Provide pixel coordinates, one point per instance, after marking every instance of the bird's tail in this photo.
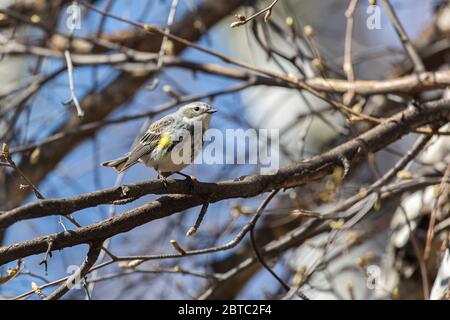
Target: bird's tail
(118, 164)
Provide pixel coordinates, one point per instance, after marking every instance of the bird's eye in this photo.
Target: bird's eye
(196, 109)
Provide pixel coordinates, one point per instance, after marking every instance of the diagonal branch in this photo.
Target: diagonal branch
(294, 175)
(91, 257)
(406, 42)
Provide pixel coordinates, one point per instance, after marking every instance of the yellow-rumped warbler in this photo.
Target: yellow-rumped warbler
(176, 130)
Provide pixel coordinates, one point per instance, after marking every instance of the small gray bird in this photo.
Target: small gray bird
(154, 148)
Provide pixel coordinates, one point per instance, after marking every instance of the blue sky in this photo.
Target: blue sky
(75, 174)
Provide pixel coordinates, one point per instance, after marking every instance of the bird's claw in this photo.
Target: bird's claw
(165, 183)
(163, 180)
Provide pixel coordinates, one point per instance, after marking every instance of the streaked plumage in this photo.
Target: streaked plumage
(154, 147)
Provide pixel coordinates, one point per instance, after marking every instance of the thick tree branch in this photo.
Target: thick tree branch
(248, 186)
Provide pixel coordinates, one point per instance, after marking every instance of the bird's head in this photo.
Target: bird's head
(196, 111)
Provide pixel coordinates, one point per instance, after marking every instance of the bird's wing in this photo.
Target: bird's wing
(149, 140)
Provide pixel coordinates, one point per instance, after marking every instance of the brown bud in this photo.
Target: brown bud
(240, 17)
(35, 18)
(317, 63)
(404, 175)
(267, 15)
(37, 290)
(177, 268)
(290, 21)
(177, 247)
(191, 232)
(149, 28)
(308, 31)
(34, 157)
(240, 20)
(5, 151)
(236, 24)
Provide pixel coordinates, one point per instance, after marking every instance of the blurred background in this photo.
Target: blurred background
(120, 98)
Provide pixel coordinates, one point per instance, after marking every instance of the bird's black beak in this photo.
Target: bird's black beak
(212, 110)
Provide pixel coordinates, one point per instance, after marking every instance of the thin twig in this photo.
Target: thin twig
(417, 252)
(440, 201)
(288, 79)
(91, 257)
(258, 254)
(165, 41)
(73, 98)
(10, 162)
(241, 20)
(201, 215)
(48, 254)
(401, 163)
(406, 42)
(348, 64)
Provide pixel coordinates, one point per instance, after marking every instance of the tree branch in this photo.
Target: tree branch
(248, 186)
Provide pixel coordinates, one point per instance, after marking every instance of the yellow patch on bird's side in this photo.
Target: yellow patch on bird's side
(164, 141)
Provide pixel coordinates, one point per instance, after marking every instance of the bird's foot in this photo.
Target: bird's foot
(163, 180)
